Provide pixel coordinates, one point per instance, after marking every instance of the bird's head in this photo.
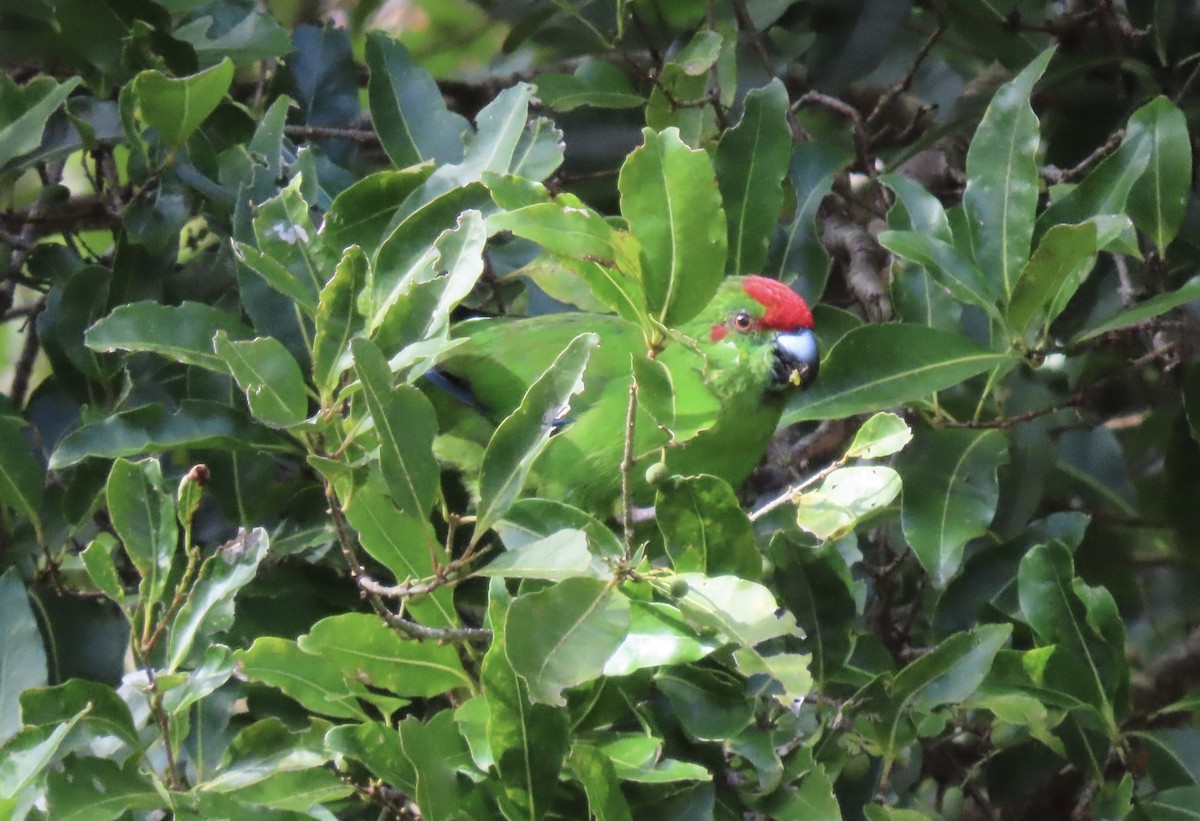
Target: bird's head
(757, 332)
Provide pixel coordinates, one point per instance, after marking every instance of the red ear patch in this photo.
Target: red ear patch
(786, 309)
(717, 333)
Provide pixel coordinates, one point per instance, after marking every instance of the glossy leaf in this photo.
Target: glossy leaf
(22, 651)
(405, 426)
(290, 257)
(338, 321)
(881, 435)
(1082, 620)
(740, 611)
(104, 713)
(562, 555)
(881, 366)
(142, 510)
(29, 752)
(177, 106)
(670, 198)
(711, 704)
(1152, 307)
(183, 333)
(595, 771)
(308, 679)
(563, 635)
(361, 214)
(363, 647)
(209, 607)
(814, 584)
(269, 377)
(796, 252)
(751, 162)
(1066, 253)
(948, 266)
(844, 498)
(950, 494)
(21, 132)
(1002, 178)
(98, 560)
(658, 635)
(521, 437)
(403, 544)
(1158, 200)
(407, 107)
(22, 476)
(96, 788)
(596, 83)
(704, 528)
(153, 429)
(529, 741)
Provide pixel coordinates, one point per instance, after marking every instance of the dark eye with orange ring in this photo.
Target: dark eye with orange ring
(743, 321)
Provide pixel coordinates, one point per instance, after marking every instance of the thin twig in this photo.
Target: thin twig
(793, 492)
(23, 369)
(905, 83)
(861, 140)
(746, 24)
(320, 132)
(1053, 175)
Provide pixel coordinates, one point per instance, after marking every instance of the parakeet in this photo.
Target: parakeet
(731, 369)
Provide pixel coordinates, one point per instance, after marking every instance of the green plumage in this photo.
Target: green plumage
(725, 409)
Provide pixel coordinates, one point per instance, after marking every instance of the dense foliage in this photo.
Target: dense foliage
(255, 564)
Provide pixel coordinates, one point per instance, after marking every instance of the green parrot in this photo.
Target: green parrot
(731, 374)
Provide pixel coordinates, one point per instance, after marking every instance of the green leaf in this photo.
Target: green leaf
(28, 754)
(403, 544)
(528, 740)
(258, 36)
(264, 749)
(916, 209)
(948, 266)
(360, 214)
(530, 520)
(378, 747)
(290, 257)
(1152, 307)
(183, 333)
(405, 425)
(563, 635)
(21, 131)
(596, 83)
(153, 429)
(1002, 178)
(881, 435)
(639, 758)
(711, 704)
(338, 321)
(950, 494)
(269, 376)
(142, 510)
(815, 586)
(361, 646)
(751, 162)
(1158, 200)
(844, 498)
(602, 256)
(949, 674)
(430, 748)
(1082, 621)
(705, 529)
(739, 611)
(658, 635)
(209, 607)
(98, 560)
(104, 713)
(22, 476)
(1064, 256)
(310, 680)
(595, 771)
(97, 789)
(211, 672)
(407, 108)
(300, 791)
(882, 366)
(562, 555)
(670, 197)
(521, 437)
(796, 251)
(21, 648)
(177, 106)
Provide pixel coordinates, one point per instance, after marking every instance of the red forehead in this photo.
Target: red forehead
(786, 310)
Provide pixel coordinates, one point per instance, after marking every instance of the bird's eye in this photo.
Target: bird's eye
(743, 321)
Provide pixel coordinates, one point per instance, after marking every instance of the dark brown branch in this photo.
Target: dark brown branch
(905, 83)
(76, 214)
(746, 24)
(861, 141)
(1169, 676)
(1053, 175)
(23, 369)
(320, 132)
(864, 262)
